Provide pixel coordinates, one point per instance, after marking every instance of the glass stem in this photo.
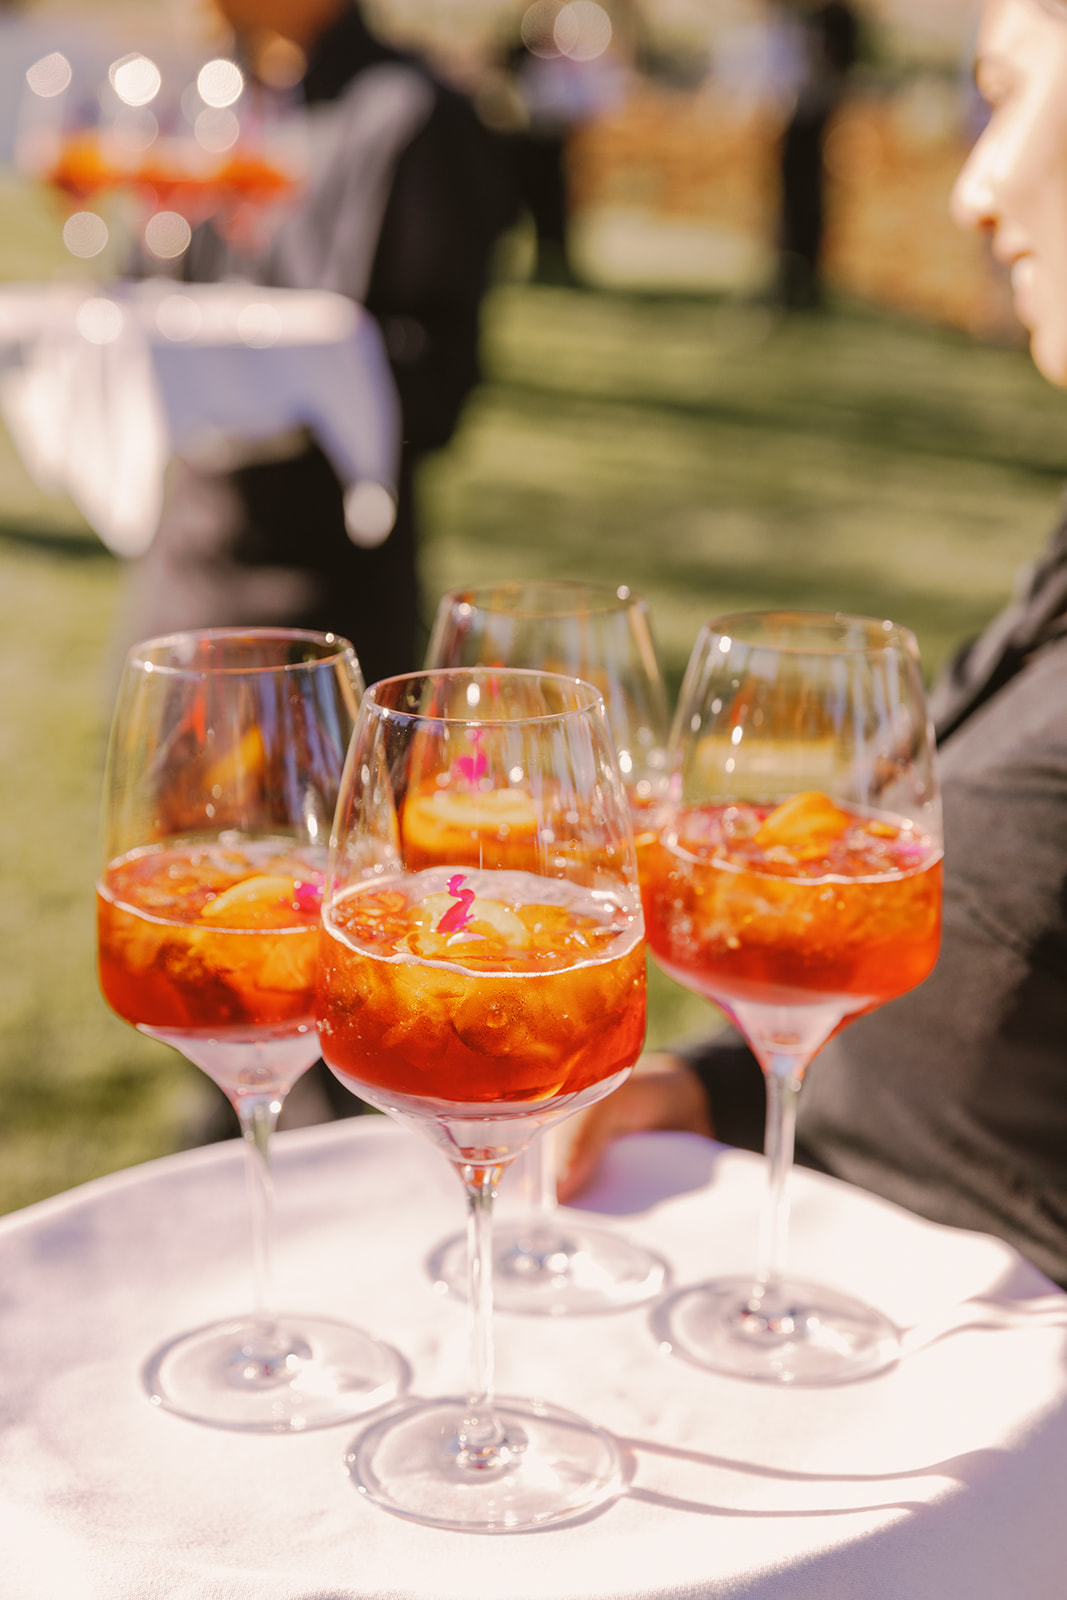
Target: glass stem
(258, 1116)
(783, 1075)
(542, 1156)
(483, 1444)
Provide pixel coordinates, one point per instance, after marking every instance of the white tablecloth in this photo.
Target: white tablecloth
(103, 387)
(943, 1478)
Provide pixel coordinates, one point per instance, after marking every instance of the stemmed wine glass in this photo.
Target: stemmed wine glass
(480, 1004)
(796, 883)
(225, 758)
(542, 1263)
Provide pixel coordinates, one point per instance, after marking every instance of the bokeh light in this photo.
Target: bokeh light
(179, 318)
(167, 235)
(582, 30)
(49, 76)
(536, 28)
(280, 64)
(370, 513)
(85, 234)
(220, 83)
(135, 79)
(216, 130)
(99, 320)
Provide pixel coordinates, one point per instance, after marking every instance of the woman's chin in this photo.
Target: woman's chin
(1050, 355)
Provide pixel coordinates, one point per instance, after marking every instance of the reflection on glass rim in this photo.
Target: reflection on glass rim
(810, 632)
(152, 654)
(584, 696)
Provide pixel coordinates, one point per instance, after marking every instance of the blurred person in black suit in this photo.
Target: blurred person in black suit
(402, 216)
(824, 39)
(557, 75)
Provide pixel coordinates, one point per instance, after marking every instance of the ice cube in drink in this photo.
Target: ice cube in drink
(536, 991)
(792, 904)
(213, 947)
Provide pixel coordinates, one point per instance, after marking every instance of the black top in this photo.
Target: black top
(451, 197)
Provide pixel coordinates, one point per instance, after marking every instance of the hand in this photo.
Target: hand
(663, 1091)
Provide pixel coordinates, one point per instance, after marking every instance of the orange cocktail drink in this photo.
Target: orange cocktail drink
(490, 988)
(797, 904)
(469, 825)
(215, 938)
(481, 977)
(88, 166)
(226, 754)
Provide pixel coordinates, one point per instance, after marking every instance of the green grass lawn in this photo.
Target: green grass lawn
(691, 448)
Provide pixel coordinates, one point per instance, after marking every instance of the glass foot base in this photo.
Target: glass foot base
(810, 1335)
(556, 1268)
(558, 1467)
(303, 1372)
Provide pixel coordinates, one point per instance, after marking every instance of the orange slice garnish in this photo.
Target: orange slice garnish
(809, 818)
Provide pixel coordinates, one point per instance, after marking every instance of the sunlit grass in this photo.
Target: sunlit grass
(719, 459)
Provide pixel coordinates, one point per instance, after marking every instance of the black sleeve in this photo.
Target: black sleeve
(450, 199)
(733, 1082)
(952, 1100)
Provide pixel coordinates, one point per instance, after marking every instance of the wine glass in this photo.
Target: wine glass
(796, 882)
(225, 759)
(542, 1264)
(479, 1004)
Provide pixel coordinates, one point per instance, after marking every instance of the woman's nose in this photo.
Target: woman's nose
(974, 203)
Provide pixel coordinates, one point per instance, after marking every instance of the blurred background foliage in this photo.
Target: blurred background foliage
(660, 426)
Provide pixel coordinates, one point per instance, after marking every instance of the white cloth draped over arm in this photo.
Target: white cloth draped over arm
(102, 389)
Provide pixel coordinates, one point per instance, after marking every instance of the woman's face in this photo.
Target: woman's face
(1015, 180)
